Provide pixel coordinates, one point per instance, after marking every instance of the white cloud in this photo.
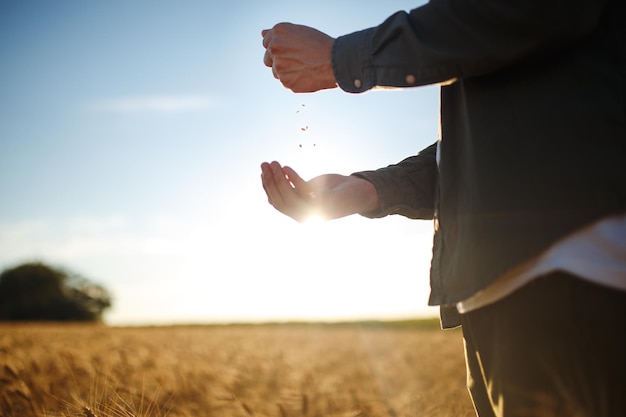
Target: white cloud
(94, 225)
(114, 238)
(156, 104)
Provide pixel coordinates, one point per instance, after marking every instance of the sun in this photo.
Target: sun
(314, 221)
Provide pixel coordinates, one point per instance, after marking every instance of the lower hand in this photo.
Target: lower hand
(328, 196)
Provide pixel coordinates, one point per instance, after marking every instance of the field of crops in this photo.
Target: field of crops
(289, 370)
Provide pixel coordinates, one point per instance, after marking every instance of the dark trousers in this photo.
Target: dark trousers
(554, 348)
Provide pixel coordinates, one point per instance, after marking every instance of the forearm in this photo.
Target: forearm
(407, 188)
(448, 39)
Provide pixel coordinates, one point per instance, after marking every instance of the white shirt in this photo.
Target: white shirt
(596, 253)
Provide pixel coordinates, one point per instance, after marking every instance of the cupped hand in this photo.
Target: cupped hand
(328, 196)
(300, 57)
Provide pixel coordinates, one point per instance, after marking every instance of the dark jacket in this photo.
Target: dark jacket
(533, 126)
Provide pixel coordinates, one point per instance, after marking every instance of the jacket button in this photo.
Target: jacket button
(358, 83)
(410, 79)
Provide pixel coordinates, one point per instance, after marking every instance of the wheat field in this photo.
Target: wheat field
(286, 370)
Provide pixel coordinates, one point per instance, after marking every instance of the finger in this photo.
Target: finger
(268, 181)
(265, 180)
(268, 60)
(266, 177)
(270, 187)
(267, 37)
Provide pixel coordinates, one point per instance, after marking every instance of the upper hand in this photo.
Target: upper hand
(329, 196)
(300, 57)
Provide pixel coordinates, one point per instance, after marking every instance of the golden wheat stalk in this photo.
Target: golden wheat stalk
(88, 412)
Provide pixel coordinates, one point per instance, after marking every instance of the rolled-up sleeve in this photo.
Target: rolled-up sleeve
(407, 188)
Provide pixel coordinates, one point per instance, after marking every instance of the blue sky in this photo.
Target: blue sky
(131, 135)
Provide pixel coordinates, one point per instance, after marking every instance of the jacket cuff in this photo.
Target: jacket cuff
(351, 61)
(405, 200)
(380, 190)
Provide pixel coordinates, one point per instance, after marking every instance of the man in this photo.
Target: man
(526, 185)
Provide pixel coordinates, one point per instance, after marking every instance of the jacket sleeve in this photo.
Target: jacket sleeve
(407, 188)
(446, 40)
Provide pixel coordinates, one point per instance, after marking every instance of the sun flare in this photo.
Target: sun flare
(314, 220)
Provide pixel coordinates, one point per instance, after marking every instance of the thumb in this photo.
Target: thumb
(294, 178)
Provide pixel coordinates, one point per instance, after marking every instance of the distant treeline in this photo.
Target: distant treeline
(38, 292)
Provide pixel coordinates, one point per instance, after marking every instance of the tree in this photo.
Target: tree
(34, 292)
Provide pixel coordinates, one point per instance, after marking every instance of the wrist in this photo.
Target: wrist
(365, 196)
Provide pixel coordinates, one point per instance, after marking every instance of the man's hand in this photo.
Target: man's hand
(329, 196)
(300, 57)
